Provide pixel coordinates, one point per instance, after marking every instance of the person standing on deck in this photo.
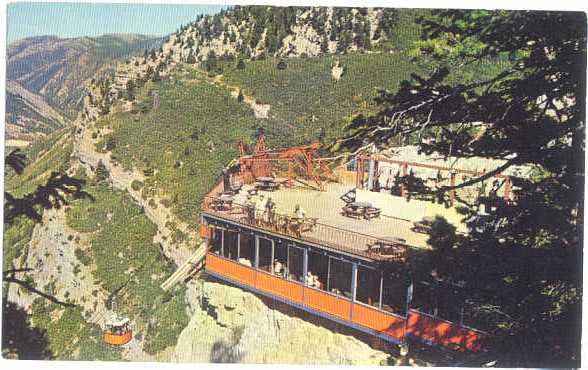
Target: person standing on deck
(250, 210)
(270, 211)
(299, 217)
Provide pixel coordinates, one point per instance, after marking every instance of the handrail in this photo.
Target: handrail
(308, 229)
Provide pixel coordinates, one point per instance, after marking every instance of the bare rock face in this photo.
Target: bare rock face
(303, 40)
(337, 71)
(232, 325)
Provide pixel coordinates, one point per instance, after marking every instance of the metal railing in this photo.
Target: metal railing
(307, 229)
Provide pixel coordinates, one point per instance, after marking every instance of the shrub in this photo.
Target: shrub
(166, 202)
(148, 172)
(136, 185)
(282, 64)
(82, 257)
(110, 143)
(442, 235)
(241, 64)
(101, 172)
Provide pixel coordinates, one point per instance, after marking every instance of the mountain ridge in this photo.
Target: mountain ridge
(57, 70)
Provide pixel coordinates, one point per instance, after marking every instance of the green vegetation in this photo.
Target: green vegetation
(521, 270)
(442, 235)
(67, 333)
(43, 158)
(305, 98)
(128, 265)
(196, 124)
(15, 240)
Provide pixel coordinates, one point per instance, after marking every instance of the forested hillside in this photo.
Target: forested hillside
(47, 77)
(151, 138)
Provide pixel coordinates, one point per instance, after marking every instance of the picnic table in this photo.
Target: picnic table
(223, 202)
(393, 248)
(361, 209)
(293, 225)
(266, 183)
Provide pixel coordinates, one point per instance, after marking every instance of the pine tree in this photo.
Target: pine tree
(191, 59)
(102, 173)
(282, 64)
(324, 44)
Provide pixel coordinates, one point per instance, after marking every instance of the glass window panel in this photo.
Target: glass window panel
(247, 249)
(368, 286)
(394, 290)
(231, 244)
(216, 240)
(265, 254)
(280, 264)
(449, 302)
(295, 263)
(424, 298)
(318, 267)
(340, 277)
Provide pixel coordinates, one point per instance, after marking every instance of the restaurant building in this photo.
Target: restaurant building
(331, 248)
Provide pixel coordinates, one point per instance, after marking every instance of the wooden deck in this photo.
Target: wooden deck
(326, 207)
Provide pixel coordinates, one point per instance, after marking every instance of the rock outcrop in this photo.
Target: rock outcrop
(231, 325)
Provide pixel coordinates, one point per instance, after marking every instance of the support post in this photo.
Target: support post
(256, 252)
(353, 288)
(507, 189)
(359, 172)
(403, 174)
(452, 184)
(371, 170)
(289, 173)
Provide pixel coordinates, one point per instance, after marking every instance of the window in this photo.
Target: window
(424, 299)
(449, 302)
(340, 277)
(318, 268)
(439, 299)
(247, 249)
(266, 252)
(216, 240)
(231, 244)
(368, 286)
(394, 289)
(295, 263)
(280, 263)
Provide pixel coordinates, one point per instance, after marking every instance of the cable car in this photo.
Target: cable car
(117, 332)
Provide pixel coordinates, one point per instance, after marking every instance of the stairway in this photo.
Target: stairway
(188, 268)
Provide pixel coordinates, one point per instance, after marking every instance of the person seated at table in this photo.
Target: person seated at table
(278, 267)
(312, 280)
(245, 261)
(309, 279)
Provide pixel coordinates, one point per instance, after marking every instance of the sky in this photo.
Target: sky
(93, 19)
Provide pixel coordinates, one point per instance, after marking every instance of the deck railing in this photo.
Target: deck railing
(307, 229)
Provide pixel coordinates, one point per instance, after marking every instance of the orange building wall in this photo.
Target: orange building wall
(378, 321)
(280, 287)
(232, 270)
(442, 332)
(328, 303)
(419, 325)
